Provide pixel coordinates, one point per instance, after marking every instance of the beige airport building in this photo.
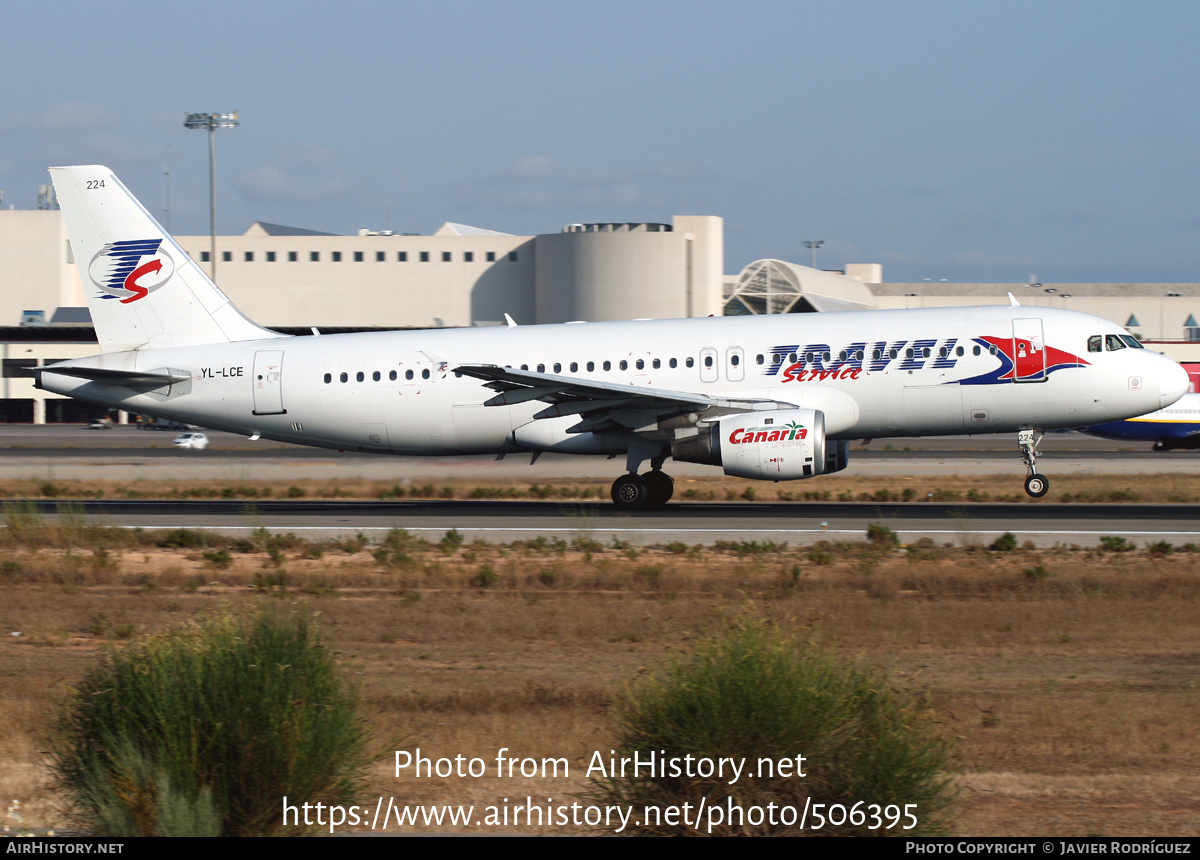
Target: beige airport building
(294, 279)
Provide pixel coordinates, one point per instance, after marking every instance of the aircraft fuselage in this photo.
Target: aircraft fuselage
(873, 373)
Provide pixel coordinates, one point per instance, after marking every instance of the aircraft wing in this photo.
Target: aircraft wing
(600, 405)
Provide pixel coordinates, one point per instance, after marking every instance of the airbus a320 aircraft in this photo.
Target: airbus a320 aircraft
(767, 397)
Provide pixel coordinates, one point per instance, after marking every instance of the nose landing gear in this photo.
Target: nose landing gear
(1035, 485)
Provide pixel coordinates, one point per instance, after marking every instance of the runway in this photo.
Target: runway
(128, 455)
(683, 522)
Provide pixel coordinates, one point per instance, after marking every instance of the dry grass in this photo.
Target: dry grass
(1068, 676)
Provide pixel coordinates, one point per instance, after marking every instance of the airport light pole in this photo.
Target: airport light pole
(812, 246)
(212, 121)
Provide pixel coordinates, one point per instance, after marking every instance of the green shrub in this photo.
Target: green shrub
(216, 722)
(486, 577)
(752, 693)
(882, 536)
(1007, 542)
(1116, 543)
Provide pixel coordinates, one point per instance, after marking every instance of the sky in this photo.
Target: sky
(966, 141)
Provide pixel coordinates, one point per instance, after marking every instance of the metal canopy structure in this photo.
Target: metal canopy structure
(780, 287)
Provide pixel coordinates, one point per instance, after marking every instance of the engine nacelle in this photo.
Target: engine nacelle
(780, 445)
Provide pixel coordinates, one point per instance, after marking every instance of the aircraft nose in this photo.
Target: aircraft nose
(1173, 383)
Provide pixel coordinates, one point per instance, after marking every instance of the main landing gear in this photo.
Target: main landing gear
(1036, 485)
(650, 490)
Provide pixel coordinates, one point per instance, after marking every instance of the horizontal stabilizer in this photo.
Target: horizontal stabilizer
(130, 378)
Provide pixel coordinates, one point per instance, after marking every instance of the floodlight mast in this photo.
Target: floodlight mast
(212, 121)
(812, 246)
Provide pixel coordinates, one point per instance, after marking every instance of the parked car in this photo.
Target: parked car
(191, 440)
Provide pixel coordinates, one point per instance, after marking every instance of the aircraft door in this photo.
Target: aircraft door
(1029, 351)
(708, 365)
(268, 382)
(735, 367)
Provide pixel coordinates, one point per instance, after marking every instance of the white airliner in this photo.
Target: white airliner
(1176, 427)
(765, 397)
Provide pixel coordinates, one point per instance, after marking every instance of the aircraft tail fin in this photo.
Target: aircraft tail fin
(142, 288)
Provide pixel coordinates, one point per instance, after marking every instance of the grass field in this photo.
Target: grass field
(1067, 676)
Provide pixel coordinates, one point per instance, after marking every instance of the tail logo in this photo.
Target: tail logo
(130, 270)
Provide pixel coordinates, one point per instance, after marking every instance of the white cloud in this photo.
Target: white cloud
(66, 117)
(269, 184)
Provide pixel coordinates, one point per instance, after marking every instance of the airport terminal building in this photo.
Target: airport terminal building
(294, 280)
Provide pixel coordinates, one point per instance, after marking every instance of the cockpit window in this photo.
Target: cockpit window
(1095, 343)
(1113, 342)
(1132, 341)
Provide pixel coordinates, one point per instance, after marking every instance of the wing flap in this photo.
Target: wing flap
(602, 405)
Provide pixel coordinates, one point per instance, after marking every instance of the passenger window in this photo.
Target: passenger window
(690, 362)
(359, 376)
(673, 362)
(425, 373)
(925, 352)
(392, 375)
(975, 350)
(892, 353)
(842, 356)
(1113, 342)
(591, 366)
(624, 365)
(908, 353)
(793, 358)
(375, 376)
(558, 367)
(343, 377)
(328, 378)
(408, 374)
(541, 368)
(858, 356)
(1095, 343)
(959, 352)
(758, 359)
(875, 355)
(708, 361)
(574, 366)
(641, 365)
(657, 363)
(607, 365)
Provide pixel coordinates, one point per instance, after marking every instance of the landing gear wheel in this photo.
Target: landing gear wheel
(1027, 440)
(1037, 485)
(662, 487)
(631, 492)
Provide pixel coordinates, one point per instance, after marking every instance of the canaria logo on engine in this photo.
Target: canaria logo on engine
(131, 270)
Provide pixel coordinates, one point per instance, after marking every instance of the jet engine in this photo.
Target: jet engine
(779, 445)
